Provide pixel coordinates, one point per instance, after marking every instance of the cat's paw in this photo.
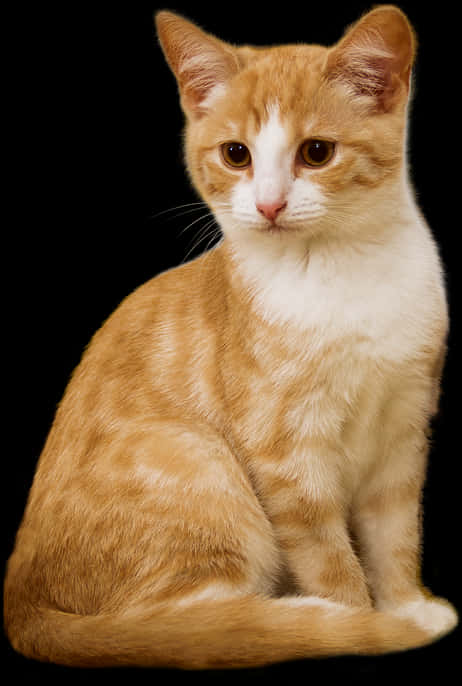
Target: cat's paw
(435, 616)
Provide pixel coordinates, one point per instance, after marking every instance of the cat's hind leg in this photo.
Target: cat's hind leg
(205, 533)
(178, 551)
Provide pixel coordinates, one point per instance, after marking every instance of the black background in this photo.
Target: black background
(95, 140)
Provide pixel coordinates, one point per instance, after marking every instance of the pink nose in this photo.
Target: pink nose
(270, 210)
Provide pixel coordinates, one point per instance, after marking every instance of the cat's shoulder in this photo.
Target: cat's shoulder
(170, 295)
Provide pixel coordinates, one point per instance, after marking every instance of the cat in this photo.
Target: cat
(234, 475)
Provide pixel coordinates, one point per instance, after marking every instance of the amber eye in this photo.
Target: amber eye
(315, 152)
(236, 154)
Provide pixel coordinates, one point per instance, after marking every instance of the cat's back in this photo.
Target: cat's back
(148, 366)
(189, 293)
(143, 363)
(162, 316)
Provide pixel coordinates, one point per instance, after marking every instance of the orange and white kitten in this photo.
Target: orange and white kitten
(234, 474)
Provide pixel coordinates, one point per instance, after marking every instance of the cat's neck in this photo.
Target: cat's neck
(285, 272)
(385, 217)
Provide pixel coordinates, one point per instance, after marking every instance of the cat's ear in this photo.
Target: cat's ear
(202, 64)
(375, 58)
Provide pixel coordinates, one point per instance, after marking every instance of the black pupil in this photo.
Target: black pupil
(318, 151)
(238, 153)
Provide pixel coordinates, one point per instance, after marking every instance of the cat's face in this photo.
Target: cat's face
(290, 141)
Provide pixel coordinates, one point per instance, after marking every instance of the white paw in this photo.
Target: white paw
(437, 617)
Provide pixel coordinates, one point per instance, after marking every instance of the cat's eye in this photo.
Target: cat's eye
(236, 154)
(316, 153)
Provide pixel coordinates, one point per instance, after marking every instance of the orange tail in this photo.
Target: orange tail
(241, 632)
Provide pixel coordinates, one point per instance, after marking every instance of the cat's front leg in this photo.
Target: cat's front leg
(321, 557)
(308, 515)
(387, 523)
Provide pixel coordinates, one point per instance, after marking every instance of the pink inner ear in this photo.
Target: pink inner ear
(373, 76)
(375, 58)
(200, 77)
(199, 61)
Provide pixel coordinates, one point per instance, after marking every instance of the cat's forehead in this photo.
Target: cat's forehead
(283, 83)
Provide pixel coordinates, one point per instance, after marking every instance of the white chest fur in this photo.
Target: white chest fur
(387, 296)
(359, 318)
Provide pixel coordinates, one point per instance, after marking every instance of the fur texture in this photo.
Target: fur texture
(234, 474)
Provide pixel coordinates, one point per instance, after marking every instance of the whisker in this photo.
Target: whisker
(198, 219)
(214, 234)
(192, 207)
(209, 231)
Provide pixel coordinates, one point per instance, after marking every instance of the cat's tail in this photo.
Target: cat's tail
(240, 632)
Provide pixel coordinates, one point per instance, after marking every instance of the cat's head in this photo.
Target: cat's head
(294, 140)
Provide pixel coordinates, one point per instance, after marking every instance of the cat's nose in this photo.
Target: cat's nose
(270, 210)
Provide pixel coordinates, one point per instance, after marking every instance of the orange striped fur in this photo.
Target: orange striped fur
(234, 474)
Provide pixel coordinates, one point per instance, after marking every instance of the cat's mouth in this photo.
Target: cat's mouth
(277, 228)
